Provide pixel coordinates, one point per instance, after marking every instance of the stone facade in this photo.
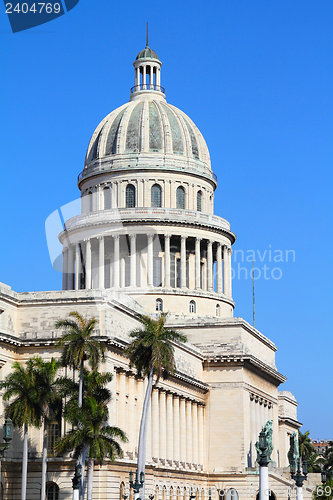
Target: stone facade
(147, 240)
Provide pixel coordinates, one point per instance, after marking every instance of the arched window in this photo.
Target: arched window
(156, 196)
(159, 305)
(90, 201)
(171, 493)
(164, 493)
(130, 196)
(193, 307)
(218, 310)
(107, 198)
(231, 494)
(52, 491)
(180, 197)
(199, 201)
(157, 492)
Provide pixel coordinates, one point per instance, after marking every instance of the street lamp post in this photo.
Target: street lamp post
(7, 436)
(77, 481)
(299, 475)
(136, 485)
(263, 467)
(326, 475)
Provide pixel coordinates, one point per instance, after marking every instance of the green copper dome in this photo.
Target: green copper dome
(147, 53)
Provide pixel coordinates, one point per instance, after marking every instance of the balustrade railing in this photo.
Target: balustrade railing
(148, 86)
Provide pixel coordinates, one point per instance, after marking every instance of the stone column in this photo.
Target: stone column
(150, 251)
(227, 271)
(77, 266)
(195, 434)
(101, 262)
(64, 268)
(155, 425)
(182, 420)
(219, 268)
(140, 193)
(163, 426)
(169, 426)
(189, 443)
(133, 260)
(167, 260)
(70, 273)
(122, 403)
(197, 263)
(88, 264)
(183, 261)
(201, 434)
(210, 266)
(132, 434)
(176, 428)
(116, 261)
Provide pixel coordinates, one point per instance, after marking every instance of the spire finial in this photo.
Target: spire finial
(147, 36)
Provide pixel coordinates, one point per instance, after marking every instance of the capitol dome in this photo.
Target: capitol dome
(147, 132)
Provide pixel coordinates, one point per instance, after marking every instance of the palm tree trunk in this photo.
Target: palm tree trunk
(24, 463)
(44, 462)
(82, 458)
(81, 385)
(90, 478)
(143, 431)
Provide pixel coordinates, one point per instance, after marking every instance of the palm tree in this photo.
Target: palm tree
(306, 448)
(78, 345)
(94, 384)
(49, 400)
(151, 352)
(314, 463)
(91, 431)
(25, 409)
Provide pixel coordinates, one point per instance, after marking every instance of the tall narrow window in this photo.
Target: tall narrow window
(180, 197)
(193, 307)
(130, 196)
(156, 196)
(53, 433)
(159, 305)
(107, 198)
(178, 273)
(199, 201)
(90, 201)
(218, 310)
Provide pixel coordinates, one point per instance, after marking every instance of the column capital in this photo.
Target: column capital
(167, 236)
(116, 236)
(132, 236)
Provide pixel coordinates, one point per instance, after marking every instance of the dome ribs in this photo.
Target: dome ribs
(155, 130)
(175, 128)
(133, 130)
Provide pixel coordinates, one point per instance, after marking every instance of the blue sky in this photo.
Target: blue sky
(256, 77)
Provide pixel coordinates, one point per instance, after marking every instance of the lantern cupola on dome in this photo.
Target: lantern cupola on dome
(147, 68)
